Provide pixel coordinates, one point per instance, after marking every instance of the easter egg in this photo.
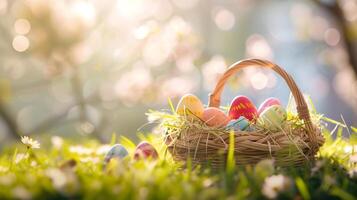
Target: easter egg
(145, 150)
(267, 103)
(190, 106)
(239, 124)
(273, 117)
(243, 106)
(116, 151)
(215, 117)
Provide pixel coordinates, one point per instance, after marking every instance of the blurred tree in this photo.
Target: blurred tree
(12, 127)
(90, 67)
(336, 9)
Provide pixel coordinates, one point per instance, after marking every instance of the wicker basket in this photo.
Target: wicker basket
(295, 145)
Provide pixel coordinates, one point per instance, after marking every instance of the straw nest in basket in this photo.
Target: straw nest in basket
(294, 142)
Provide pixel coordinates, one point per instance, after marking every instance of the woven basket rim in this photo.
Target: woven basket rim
(202, 145)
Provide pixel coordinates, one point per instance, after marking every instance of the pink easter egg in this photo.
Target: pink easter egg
(243, 106)
(267, 103)
(215, 117)
(145, 150)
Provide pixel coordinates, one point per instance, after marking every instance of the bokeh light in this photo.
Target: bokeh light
(258, 47)
(224, 19)
(212, 70)
(332, 37)
(22, 26)
(259, 81)
(20, 43)
(102, 64)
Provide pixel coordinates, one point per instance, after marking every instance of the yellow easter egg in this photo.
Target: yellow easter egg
(272, 117)
(215, 117)
(190, 106)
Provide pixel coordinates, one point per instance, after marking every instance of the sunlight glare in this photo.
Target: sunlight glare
(84, 12)
(134, 9)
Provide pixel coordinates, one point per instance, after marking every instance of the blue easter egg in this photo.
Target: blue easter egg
(116, 151)
(239, 124)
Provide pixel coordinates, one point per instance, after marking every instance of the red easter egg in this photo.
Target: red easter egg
(267, 103)
(215, 117)
(243, 106)
(145, 150)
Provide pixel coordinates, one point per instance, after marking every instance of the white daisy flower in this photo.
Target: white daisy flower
(30, 143)
(273, 185)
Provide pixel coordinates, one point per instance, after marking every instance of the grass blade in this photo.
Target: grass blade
(333, 121)
(230, 159)
(302, 188)
(171, 106)
(354, 129)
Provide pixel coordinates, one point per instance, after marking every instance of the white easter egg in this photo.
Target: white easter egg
(272, 118)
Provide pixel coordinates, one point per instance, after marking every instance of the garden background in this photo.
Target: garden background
(91, 68)
(87, 71)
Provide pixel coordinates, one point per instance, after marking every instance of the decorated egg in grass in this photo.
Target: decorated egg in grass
(116, 151)
(243, 106)
(239, 124)
(190, 106)
(267, 103)
(145, 150)
(273, 118)
(215, 117)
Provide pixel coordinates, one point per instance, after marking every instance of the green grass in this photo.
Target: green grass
(67, 170)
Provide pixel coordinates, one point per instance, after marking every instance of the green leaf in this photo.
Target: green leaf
(302, 189)
(341, 194)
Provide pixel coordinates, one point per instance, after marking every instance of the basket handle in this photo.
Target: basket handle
(302, 109)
